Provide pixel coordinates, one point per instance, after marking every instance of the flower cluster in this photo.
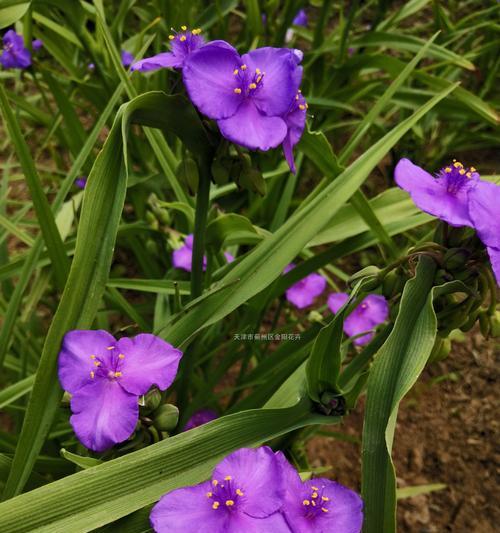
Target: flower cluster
(106, 377)
(15, 54)
(254, 98)
(257, 490)
(372, 311)
(458, 196)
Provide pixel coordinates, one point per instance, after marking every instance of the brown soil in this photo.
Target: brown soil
(447, 432)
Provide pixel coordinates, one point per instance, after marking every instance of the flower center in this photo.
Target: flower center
(248, 83)
(317, 504)
(225, 494)
(186, 39)
(456, 176)
(107, 369)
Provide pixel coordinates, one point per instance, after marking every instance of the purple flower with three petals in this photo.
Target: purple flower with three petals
(295, 120)
(301, 18)
(245, 494)
(319, 505)
(303, 293)
(183, 256)
(247, 95)
(15, 54)
(127, 58)
(458, 196)
(106, 377)
(200, 417)
(372, 311)
(182, 44)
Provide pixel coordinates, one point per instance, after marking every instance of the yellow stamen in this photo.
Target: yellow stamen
(210, 494)
(469, 174)
(239, 492)
(237, 90)
(296, 97)
(306, 502)
(447, 169)
(215, 482)
(92, 374)
(257, 71)
(314, 488)
(457, 164)
(118, 374)
(121, 356)
(302, 107)
(324, 510)
(184, 28)
(229, 503)
(307, 105)
(235, 71)
(171, 37)
(243, 67)
(97, 363)
(472, 169)
(252, 86)
(182, 38)
(228, 478)
(314, 494)
(313, 503)
(110, 348)
(325, 498)
(197, 31)
(215, 505)
(92, 356)
(461, 171)
(258, 79)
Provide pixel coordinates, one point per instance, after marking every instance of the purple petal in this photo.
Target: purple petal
(183, 510)
(300, 18)
(229, 257)
(182, 258)
(281, 80)
(484, 209)
(288, 267)
(432, 195)
(258, 474)
(242, 523)
(81, 182)
(210, 82)
(37, 44)
(148, 361)
(104, 414)
(250, 128)
(200, 417)
(75, 363)
(372, 311)
(336, 300)
(295, 121)
(494, 254)
(189, 241)
(163, 60)
(127, 58)
(303, 293)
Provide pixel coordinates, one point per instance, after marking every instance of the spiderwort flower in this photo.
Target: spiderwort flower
(183, 256)
(37, 44)
(303, 293)
(200, 417)
(245, 494)
(458, 196)
(301, 18)
(247, 95)
(319, 505)
(229, 257)
(15, 54)
(182, 44)
(106, 377)
(127, 58)
(372, 311)
(81, 182)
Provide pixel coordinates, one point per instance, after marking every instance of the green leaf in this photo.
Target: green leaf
(316, 147)
(397, 366)
(417, 490)
(82, 462)
(99, 495)
(11, 11)
(15, 391)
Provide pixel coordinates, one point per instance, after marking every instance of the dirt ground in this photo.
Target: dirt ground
(447, 432)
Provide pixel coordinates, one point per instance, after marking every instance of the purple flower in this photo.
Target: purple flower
(127, 58)
(201, 417)
(247, 95)
(229, 257)
(182, 44)
(106, 377)
(81, 182)
(301, 18)
(15, 54)
(295, 120)
(319, 505)
(183, 256)
(303, 293)
(245, 494)
(458, 196)
(37, 44)
(372, 311)
(91, 67)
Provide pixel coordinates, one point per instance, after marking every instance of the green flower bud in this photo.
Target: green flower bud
(332, 404)
(393, 284)
(440, 350)
(166, 417)
(495, 324)
(315, 316)
(152, 400)
(456, 258)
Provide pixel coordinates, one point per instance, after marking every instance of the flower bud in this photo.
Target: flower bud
(221, 168)
(455, 258)
(440, 350)
(152, 400)
(393, 284)
(332, 404)
(371, 272)
(495, 325)
(166, 417)
(252, 179)
(315, 316)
